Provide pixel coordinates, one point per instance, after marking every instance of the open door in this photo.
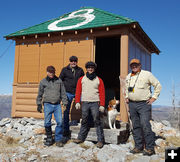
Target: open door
(107, 58)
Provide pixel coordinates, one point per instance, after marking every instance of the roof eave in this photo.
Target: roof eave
(154, 48)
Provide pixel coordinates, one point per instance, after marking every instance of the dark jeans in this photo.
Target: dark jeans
(140, 114)
(66, 112)
(92, 107)
(49, 109)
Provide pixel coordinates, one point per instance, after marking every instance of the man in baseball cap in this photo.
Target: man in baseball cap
(140, 98)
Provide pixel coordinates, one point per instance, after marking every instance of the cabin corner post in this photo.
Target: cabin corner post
(14, 86)
(123, 72)
(13, 107)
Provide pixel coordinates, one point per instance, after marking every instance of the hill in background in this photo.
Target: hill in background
(5, 106)
(159, 112)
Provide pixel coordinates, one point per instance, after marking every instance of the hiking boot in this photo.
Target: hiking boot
(148, 152)
(77, 141)
(59, 144)
(49, 141)
(136, 151)
(99, 145)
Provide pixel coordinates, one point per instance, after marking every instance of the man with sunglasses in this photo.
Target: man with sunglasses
(70, 75)
(139, 98)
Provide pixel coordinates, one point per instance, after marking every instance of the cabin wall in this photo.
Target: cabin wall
(136, 50)
(31, 61)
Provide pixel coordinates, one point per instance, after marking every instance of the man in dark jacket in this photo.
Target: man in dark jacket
(51, 92)
(70, 75)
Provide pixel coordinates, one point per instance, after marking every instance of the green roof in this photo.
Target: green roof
(84, 18)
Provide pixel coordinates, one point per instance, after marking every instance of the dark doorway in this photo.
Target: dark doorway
(108, 64)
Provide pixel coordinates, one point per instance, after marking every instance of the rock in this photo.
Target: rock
(23, 122)
(14, 134)
(166, 123)
(32, 158)
(30, 133)
(4, 157)
(39, 131)
(142, 159)
(4, 121)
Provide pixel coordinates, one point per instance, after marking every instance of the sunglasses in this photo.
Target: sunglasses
(73, 61)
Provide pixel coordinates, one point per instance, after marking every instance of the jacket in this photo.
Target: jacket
(69, 80)
(142, 82)
(51, 91)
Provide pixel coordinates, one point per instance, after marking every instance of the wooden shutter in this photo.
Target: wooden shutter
(51, 54)
(83, 49)
(28, 68)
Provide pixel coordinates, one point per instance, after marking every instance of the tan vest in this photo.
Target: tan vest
(90, 91)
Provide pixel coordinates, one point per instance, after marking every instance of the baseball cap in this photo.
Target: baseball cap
(51, 69)
(135, 61)
(73, 58)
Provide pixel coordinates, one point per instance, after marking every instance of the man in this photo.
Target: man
(139, 98)
(70, 75)
(90, 90)
(51, 91)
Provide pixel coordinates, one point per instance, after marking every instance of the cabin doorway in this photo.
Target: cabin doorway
(107, 58)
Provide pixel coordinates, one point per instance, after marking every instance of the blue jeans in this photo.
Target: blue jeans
(49, 109)
(140, 114)
(66, 112)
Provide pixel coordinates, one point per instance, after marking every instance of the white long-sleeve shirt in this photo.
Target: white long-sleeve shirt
(142, 82)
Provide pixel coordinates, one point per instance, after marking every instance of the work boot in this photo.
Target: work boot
(99, 145)
(59, 144)
(148, 152)
(136, 151)
(49, 139)
(77, 141)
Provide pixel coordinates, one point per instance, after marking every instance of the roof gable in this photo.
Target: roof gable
(84, 18)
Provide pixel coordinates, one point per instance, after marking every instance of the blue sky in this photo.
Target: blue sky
(160, 19)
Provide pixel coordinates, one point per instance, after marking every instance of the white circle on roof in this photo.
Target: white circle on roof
(88, 18)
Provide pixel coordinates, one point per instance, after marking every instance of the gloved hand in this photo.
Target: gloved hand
(78, 106)
(64, 107)
(101, 109)
(39, 108)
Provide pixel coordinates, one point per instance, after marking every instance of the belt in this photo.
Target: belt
(90, 102)
(56, 103)
(138, 101)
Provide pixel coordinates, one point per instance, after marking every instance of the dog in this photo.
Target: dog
(110, 119)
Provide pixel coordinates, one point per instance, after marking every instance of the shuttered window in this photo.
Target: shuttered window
(28, 67)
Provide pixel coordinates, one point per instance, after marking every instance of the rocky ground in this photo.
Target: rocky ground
(21, 139)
